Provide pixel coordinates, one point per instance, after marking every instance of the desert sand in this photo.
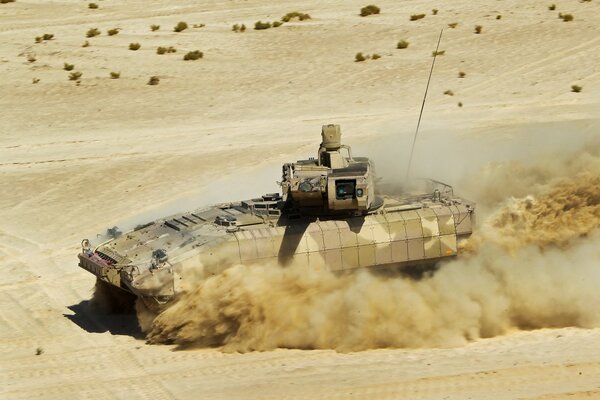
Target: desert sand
(76, 159)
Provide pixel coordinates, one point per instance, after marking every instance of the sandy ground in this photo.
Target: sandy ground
(76, 159)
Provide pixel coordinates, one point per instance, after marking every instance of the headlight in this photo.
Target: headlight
(359, 192)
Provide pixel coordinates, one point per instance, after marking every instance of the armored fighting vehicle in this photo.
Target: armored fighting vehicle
(329, 216)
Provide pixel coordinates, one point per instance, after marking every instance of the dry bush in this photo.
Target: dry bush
(134, 46)
(461, 74)
(403, 44)
(295, 14)
(453, 25)
(498, 16)
(449, 92)
(434, 11)
(92, 32)
(359, 57)
(552, 7)
(93, 6)
(85, 44)
(460, 104)
(235, 28)
(68, 67)
(478, 29)
(259, 25)
(48, 36)
(39, 351)
(369, 10)
(154, 28)
(35, 80)
(164, 50)
(243, 28)
(115, 75)
(180, 27)
(154, 80)
(6, 1)
(276, 24)
(375, 56)
(75, 76)
(193, 55)
(566, 17)
(576, 88)
(31, 58)
(416, 17)
(438, 53)
(39, 39)
(112, 32)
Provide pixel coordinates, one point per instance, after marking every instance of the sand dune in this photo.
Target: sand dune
(76, 159)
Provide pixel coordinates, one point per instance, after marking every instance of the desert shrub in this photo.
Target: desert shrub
(552, 7)
(75, 76)
(277, 24)
(453, 25)
(449, 92)
(438, 53)
(31, 58)
(6, 1)
(154, 28)
(498, 16)
(295, 14)
(416, 17)
(134, 46)
(235, 28)
(164, 50)
(85, 44)
(243, 28)
(154, 80)
(48, 36)
(478, 29)
(68, 67)
(375, 56)
(359, 57)
(35, 80)
(39, 39)
(369, 10)
(403, 44)
(259, 25)
(39, 351)
(92, 32)
(567, 17)
(112, 32)
(180, 27)
(115, 75)
(434, 11)
(461, 74)
(576, 88)
(460, 104)
(193, 55)
(93, 6)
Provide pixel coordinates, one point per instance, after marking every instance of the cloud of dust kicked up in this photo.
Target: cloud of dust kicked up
(534, 263)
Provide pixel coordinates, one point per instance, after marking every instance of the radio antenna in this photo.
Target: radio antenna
(412, 149)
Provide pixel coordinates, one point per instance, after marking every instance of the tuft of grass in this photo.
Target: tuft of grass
(566, 17)
(375, 56)
(460, 104)
(403, 44)
(552, 7)
(416, 17)
(85, 44)
(92, 32)
(235, 28)
(39, 39)
(449, 92)
(39, 351)
(93, 6)
(277, 24)
(115, 75)
(31, 58)
(453, 25)
(48, 36)
(434, 11)
(193, 55)
(576, 88)
(154, 28)
(295, 14)
(164, 50)
(438, 53)
(259, 25)
(369, 10)
(478, 29)
(180, 27)
(498, 16)
(153, 81)
(68, 67)
(461, 74)
(243, 28)
(34, 81)
(75, 76)
(134, 46)
(112, 32)
(359, 57)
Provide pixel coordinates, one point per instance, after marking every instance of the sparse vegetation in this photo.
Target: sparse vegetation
(154, 28)
(180, 27)
(453, 25)
(359, 57)
(134, 46)
(31, 58)
(75, 76)
(478, 29)
(552, 7)
(34, 81)
(93, 6)
(68, 67)
(39, 351)
(92, 32)
(193, 55)
(277, 24)
(154, 80)
(566, 17)
(438, 53)
(498, 16)
(259, 25)
(375, 56)
(164, 50)
(434, 11)
(403, 44)
(112, 32)
(576, 88)
(6, 1)
(235, 28)
(85, 44)
(48, 36)
(416, 17)
(461, 74)
(295, 14)
(243, 28)
(449, 92)
(38, 39)
(460, 104)
(115, 75)
(369, 10)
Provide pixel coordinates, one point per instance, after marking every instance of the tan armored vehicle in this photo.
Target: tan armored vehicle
(328, 216)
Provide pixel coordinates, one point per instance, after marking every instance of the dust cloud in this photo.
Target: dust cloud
(533, 263)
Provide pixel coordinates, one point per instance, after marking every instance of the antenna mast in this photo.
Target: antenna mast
(412, 149)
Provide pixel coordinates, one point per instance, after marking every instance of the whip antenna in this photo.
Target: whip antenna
(412, 149)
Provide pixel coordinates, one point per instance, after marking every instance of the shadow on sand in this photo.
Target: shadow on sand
(89, 318)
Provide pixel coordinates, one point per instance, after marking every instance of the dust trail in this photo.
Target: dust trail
(534, 263)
